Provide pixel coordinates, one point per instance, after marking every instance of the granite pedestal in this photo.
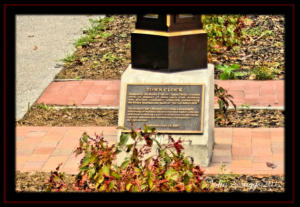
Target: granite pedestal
(199, 146)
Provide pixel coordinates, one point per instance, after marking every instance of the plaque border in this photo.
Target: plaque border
(169, 131)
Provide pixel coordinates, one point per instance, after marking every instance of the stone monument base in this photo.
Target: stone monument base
(199, 146)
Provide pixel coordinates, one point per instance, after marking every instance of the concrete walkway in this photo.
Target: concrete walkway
(103, 93)
(242, 150)
(41, 41)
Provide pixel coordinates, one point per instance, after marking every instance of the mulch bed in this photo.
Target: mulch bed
(251, 118)
(36, 182)
(38, 116)
(89, 63)
(247, 183)
(256, 50)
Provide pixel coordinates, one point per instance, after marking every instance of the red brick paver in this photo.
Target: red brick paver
(242, 150)
(107, 92)
(85, 93)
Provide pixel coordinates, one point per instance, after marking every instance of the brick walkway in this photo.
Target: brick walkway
(242, 150)
(106, 93)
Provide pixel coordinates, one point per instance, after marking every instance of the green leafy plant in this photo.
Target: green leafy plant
(247, 106)
(268, 33)
(82, 41)
(169, 170)
(258, 33)
(224, 31)
(228, 71)
(56, 181)
(98, 26)
(264, 72)
(107, 19)
(128, 45)
(254, 31)
(223, 99)
(44, 106)
(105, 35)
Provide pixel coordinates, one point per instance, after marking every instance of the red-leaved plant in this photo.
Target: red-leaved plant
(166, 171)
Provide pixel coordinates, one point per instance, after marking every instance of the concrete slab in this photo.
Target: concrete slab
(41, 42)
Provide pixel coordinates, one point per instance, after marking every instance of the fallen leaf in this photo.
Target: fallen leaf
(271, 165)
(252, 77)
(35, 47)
(248, 22)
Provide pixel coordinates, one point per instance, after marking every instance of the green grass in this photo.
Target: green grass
(93, 34)
(97, 30)
(84, 41)
(264, 72)
(69, 58)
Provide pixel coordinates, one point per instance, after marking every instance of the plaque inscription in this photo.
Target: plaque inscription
(170, 108)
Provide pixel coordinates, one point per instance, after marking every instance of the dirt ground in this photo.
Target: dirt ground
(36, 182)
(107, 57)
(41, 115)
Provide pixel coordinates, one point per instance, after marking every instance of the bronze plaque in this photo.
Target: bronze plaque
(170, 108)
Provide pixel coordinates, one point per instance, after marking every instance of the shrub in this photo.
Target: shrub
(224, 31)
(166, 171)
(56, 181)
